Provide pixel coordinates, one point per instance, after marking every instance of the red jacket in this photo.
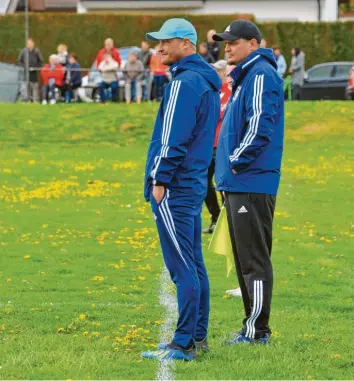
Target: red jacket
(225, 94)
(57, 74)
(115, 55)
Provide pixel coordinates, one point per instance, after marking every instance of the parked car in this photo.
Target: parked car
(326, 81)
(350, 88)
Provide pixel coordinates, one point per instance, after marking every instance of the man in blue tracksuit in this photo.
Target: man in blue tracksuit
(177, 165)
(248, 162)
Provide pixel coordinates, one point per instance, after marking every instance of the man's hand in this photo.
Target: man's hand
(234, 172)
(290, 70)
(158, 193)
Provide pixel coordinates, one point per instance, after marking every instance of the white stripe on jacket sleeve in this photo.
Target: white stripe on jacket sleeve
(254, 121)
(167, 124)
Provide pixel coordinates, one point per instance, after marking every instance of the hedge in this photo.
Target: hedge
(85, 33)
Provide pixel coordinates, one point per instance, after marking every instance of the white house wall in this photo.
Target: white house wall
(265, 10)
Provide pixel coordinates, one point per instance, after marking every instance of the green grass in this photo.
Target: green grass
(80, 260)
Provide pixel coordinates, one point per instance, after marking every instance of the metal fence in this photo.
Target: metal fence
(12, 79)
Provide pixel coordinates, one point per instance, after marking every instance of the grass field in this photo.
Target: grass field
(80, 261)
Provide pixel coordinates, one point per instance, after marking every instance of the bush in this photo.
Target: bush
(85, 34)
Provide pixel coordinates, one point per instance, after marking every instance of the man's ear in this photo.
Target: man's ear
(253, 44)
(188, 45)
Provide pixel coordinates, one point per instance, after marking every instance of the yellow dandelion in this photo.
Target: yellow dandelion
(98, 278)
(300, 273)
(27, 257)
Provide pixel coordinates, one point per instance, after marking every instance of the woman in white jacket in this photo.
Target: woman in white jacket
(108, 67)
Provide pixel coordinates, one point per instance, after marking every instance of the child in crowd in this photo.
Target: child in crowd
(63, 56)
(73, 78)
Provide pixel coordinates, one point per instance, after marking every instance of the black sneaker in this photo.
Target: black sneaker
(210, 229)
(202, 346)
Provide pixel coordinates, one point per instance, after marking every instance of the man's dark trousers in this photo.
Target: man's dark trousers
(250, 218)
(211, 199)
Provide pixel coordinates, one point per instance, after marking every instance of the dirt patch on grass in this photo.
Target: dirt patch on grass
(316, 131)
(125, 126)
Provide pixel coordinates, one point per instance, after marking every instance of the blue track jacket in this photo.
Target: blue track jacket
(181, 147)
(252, 133)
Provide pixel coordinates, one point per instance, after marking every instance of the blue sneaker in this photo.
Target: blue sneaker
(170, 353)
(264, 339)
(241, 339)
(162, 345)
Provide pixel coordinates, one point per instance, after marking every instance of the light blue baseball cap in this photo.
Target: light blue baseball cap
(174, 28)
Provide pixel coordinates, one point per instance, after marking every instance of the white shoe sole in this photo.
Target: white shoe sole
(236, 292)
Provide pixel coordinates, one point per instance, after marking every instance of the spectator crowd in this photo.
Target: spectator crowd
(142, 77)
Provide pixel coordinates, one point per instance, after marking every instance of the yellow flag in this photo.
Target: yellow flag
(220, 242)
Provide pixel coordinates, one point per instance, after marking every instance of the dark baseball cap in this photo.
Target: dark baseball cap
(239, 29)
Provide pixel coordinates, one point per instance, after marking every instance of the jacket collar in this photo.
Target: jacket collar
(242, 68)
(179, 64)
